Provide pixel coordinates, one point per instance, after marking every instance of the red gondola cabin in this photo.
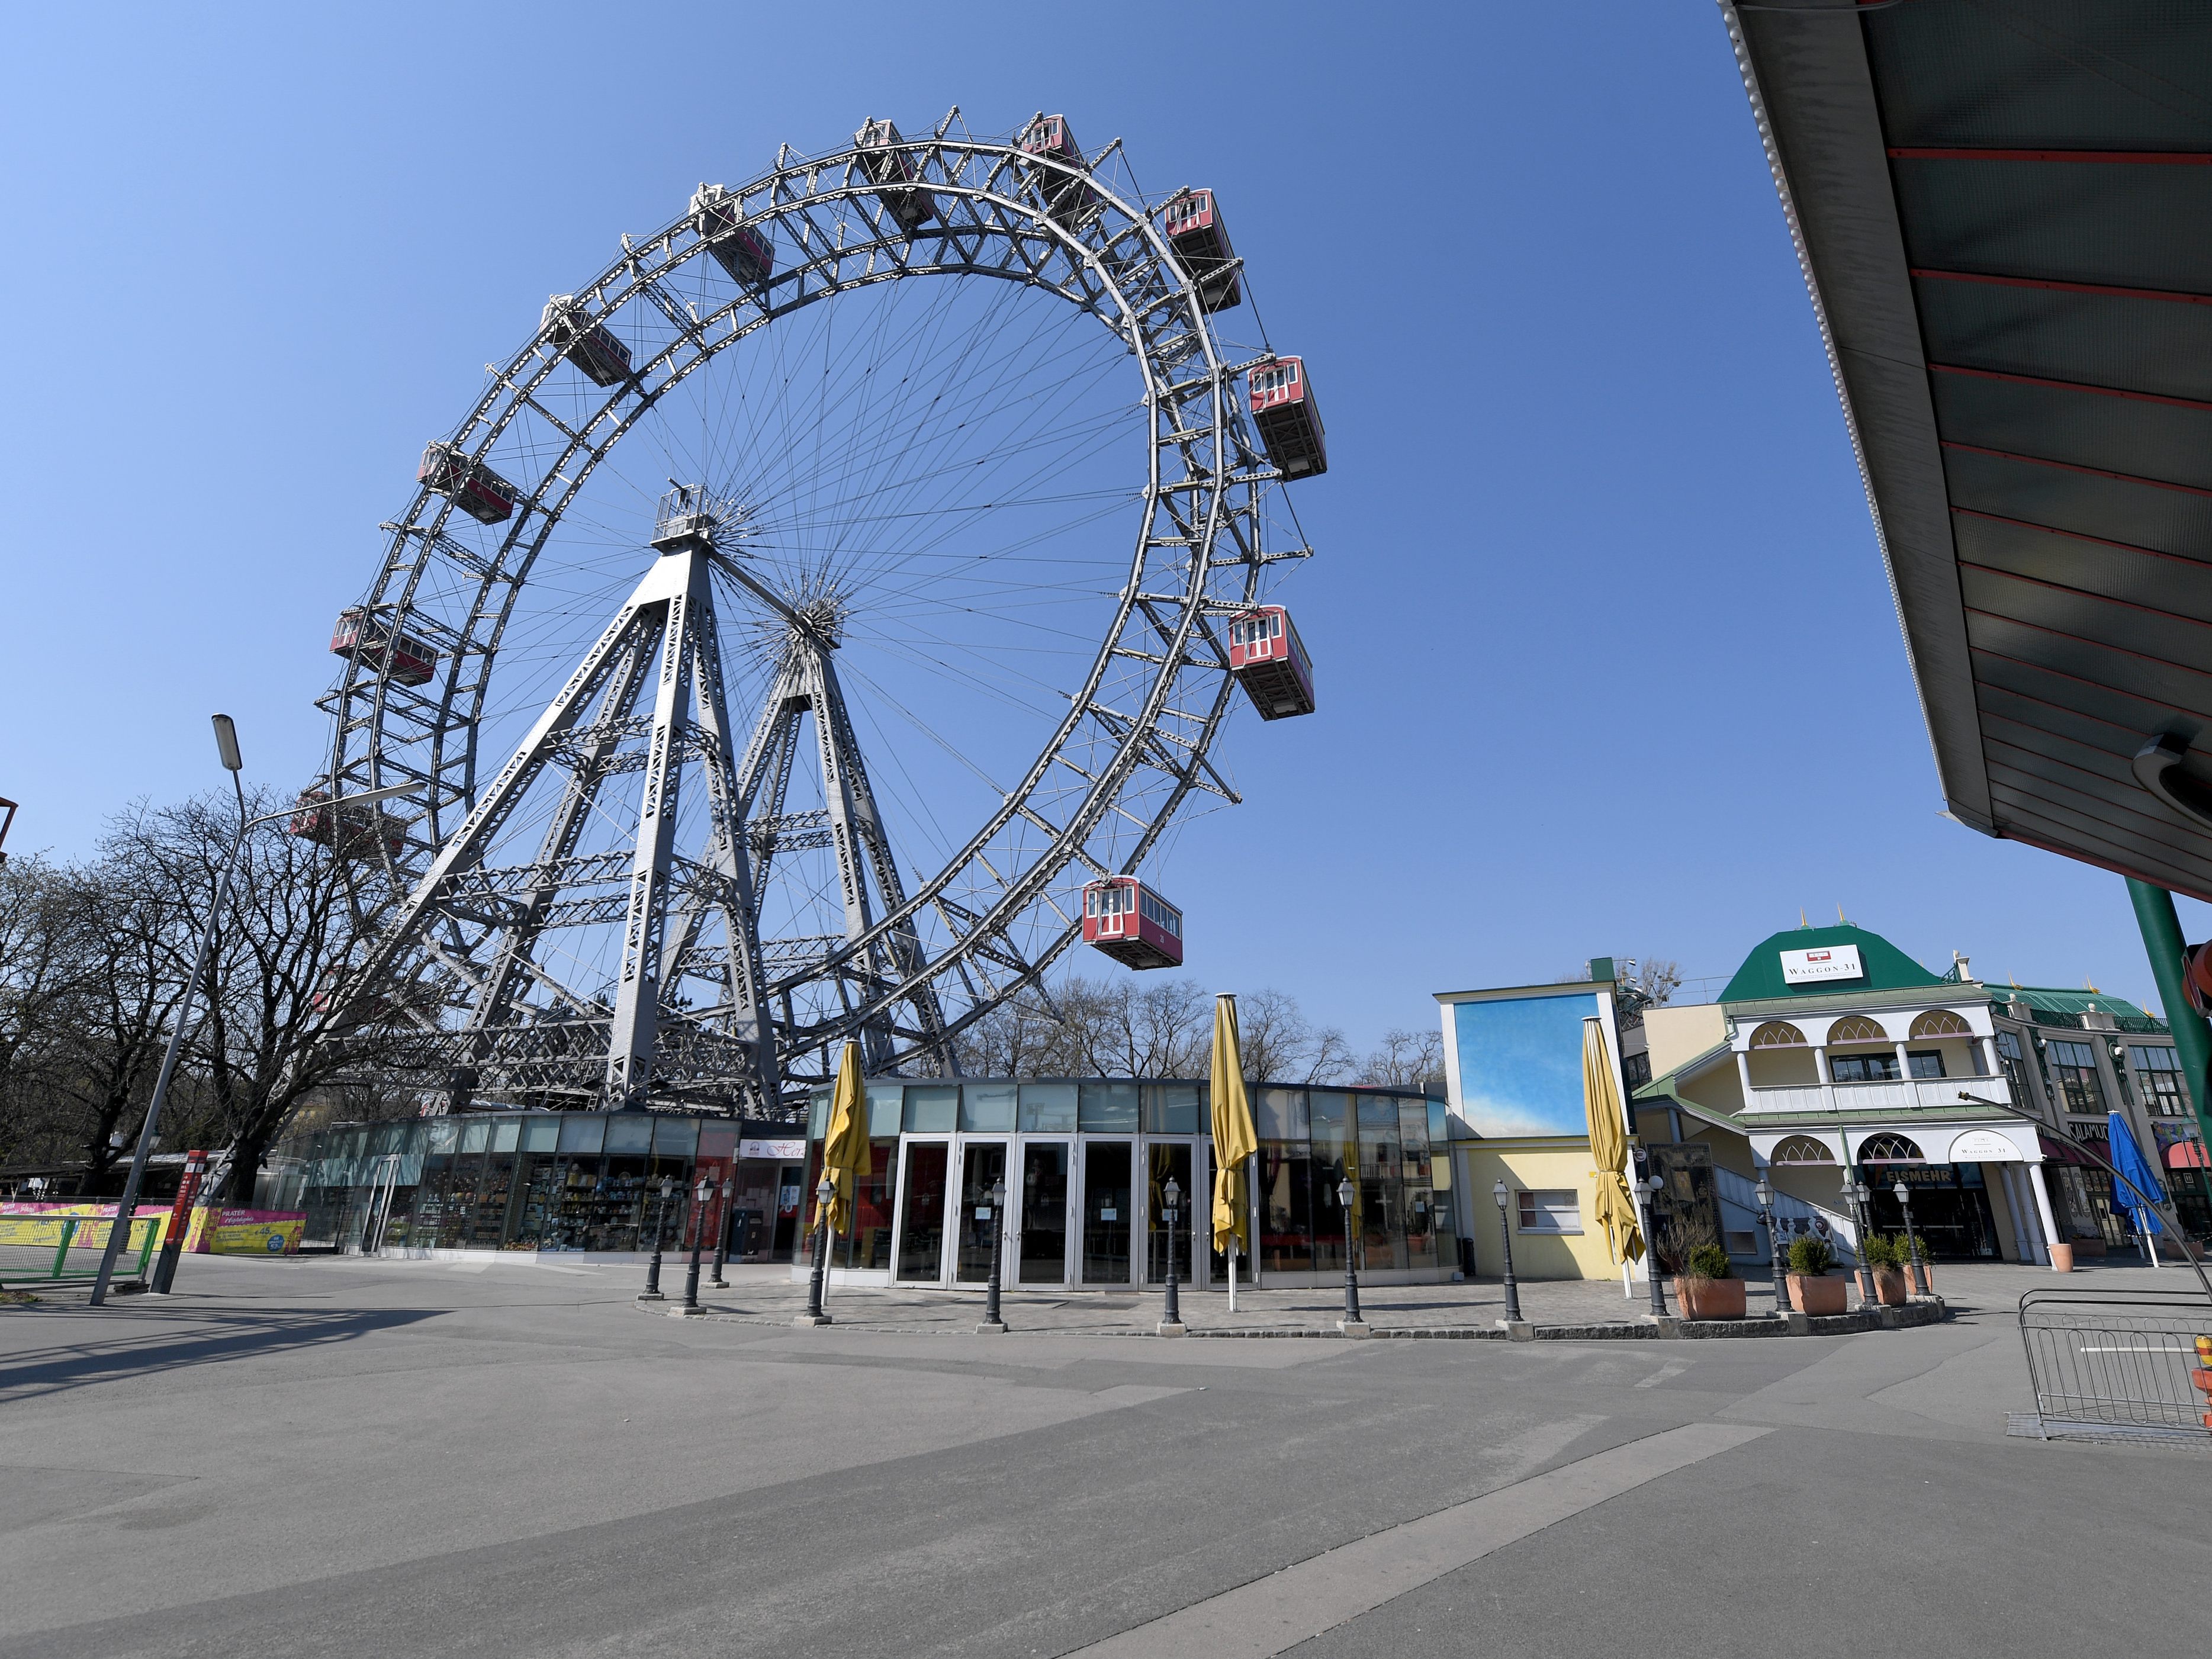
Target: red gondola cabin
(1192, 223)
(602, 359)
(351, 832)
(371, 643)
(892, 171)
(1067, 197)
(744, 252)
(1288, 419)
(473, 487)
(1270, 662)
(1131, 924)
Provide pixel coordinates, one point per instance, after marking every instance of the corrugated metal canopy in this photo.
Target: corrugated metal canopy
(2004, 212)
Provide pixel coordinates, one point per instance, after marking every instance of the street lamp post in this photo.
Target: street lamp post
(1855, 1194)
(1172, 1313)
(721, 1240)
(660, 1227)
(1503, 1196)
(823, 1192)
(1904, 1195)
(1345, 1192)
(704, 1193)
(1773, 1223)
(991, 1320)
(1652, 1187)
(226, 736)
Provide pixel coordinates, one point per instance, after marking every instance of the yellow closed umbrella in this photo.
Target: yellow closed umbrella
(1608, 1139)
(845, 1146)
(1235, 1140)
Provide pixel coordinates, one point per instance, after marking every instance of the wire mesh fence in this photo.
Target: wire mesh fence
(2130, 1363)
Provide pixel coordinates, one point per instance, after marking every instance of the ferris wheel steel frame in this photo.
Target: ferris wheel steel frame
(1199, 555)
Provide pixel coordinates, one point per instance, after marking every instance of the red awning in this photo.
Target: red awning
(2055, 1150)
(2187, 1155)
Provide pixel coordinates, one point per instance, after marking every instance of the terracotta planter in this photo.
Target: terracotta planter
(1825, 1294)
(2089, 1247)
(1710, 1298)
(1891, 1288)
(2061, 1258)
(1923, 1280)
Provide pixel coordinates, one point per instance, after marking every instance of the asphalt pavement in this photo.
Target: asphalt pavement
(335, 1456)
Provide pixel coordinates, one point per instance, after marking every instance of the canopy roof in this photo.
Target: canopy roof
(1888, 969)
(2004, 214)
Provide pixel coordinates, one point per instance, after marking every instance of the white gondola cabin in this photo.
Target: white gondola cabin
(1132, 923)
(739, 249)
(359, 636)
(1192, 223)
(1288, 419)
(1066, 196)
(1269, 661)
(892, 171)
(351, 832)
(591, 347)
(473, 487)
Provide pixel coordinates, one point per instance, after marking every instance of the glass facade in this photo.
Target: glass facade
(1085, 1164)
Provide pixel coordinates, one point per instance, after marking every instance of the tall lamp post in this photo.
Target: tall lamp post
(1774, 1246)
(225, 740)
(1503, 1194)
(1345, 1192)
(652, 1291)
(721, 1237)
(1856, 1194)
(1651, 1189)
(991, 1320)
(823, 1192)
(703, 1195)
(1920, 1280)
(1171, 1312)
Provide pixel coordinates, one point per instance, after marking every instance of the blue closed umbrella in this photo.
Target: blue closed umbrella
(2135, 1172)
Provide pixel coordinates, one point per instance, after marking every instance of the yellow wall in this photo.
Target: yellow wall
(1531, 1164)
(1676, 1035)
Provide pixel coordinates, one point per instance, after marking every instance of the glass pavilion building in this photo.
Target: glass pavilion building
(1086, 1163)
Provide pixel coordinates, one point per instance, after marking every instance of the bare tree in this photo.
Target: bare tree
(38, 973)
(1282, 1046)
(1406, 1059)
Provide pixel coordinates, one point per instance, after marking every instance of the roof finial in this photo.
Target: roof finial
(1841, 917)
(1801, 922)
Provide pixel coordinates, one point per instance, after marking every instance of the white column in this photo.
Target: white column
(1827, 1082)
(2043, 1203)
(2028, 1241)
(1743, 1074)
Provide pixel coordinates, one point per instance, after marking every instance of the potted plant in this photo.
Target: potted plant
(1886, 1258)
(1811, 1290)
(1709, 1289)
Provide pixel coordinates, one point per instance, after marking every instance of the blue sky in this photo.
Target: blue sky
(1606, 660)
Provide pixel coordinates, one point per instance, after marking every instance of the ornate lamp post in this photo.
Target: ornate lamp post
(1651, 1189)
(1904, 1195)
(704, 1194)
(652, 1292)
(1504, 1196)
(1345, 1192)
(822, 1193)
(991, 1320)
(1856, 1194)
(1773, 1225)
(1172, 1315)
(722, 1237)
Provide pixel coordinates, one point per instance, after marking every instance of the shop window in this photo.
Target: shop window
(2014, 1063)
(1048, 1108)
(932, 1111)
(1280, 1113)
(988, 1107)
(1179, 1109)
(2074, 1071)
(1890, 1149)
(2164, 1093)
(1108, 1109)
(1551, 1210)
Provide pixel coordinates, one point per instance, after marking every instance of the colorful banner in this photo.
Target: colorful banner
(244, 1232)
(213, 1231)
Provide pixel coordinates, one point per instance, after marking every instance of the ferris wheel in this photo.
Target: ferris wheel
(814, 627)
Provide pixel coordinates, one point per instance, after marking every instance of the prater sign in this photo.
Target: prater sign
(1815, 967)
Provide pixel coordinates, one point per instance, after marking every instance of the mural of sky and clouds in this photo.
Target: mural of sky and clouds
(1521, 1063)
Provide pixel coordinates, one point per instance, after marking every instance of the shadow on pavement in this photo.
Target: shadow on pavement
(213, 1338)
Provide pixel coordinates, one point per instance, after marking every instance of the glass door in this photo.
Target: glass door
(921, 1212)
(1044, 1193)
(982, 1162)
(1164, 1159)
(1107, 1219)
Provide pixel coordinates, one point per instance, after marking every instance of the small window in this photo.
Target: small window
(1927, 1062)
(1557, 1210)
(1863, 1068)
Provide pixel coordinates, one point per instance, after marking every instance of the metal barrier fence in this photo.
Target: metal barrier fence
(35, 1251)
(2117, 1363)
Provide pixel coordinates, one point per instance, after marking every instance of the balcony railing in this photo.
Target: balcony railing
(1910, 1094)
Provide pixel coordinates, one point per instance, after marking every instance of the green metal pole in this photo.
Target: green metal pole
(2192, 1039)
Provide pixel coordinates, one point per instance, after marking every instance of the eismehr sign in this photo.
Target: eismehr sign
(1827, 963)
